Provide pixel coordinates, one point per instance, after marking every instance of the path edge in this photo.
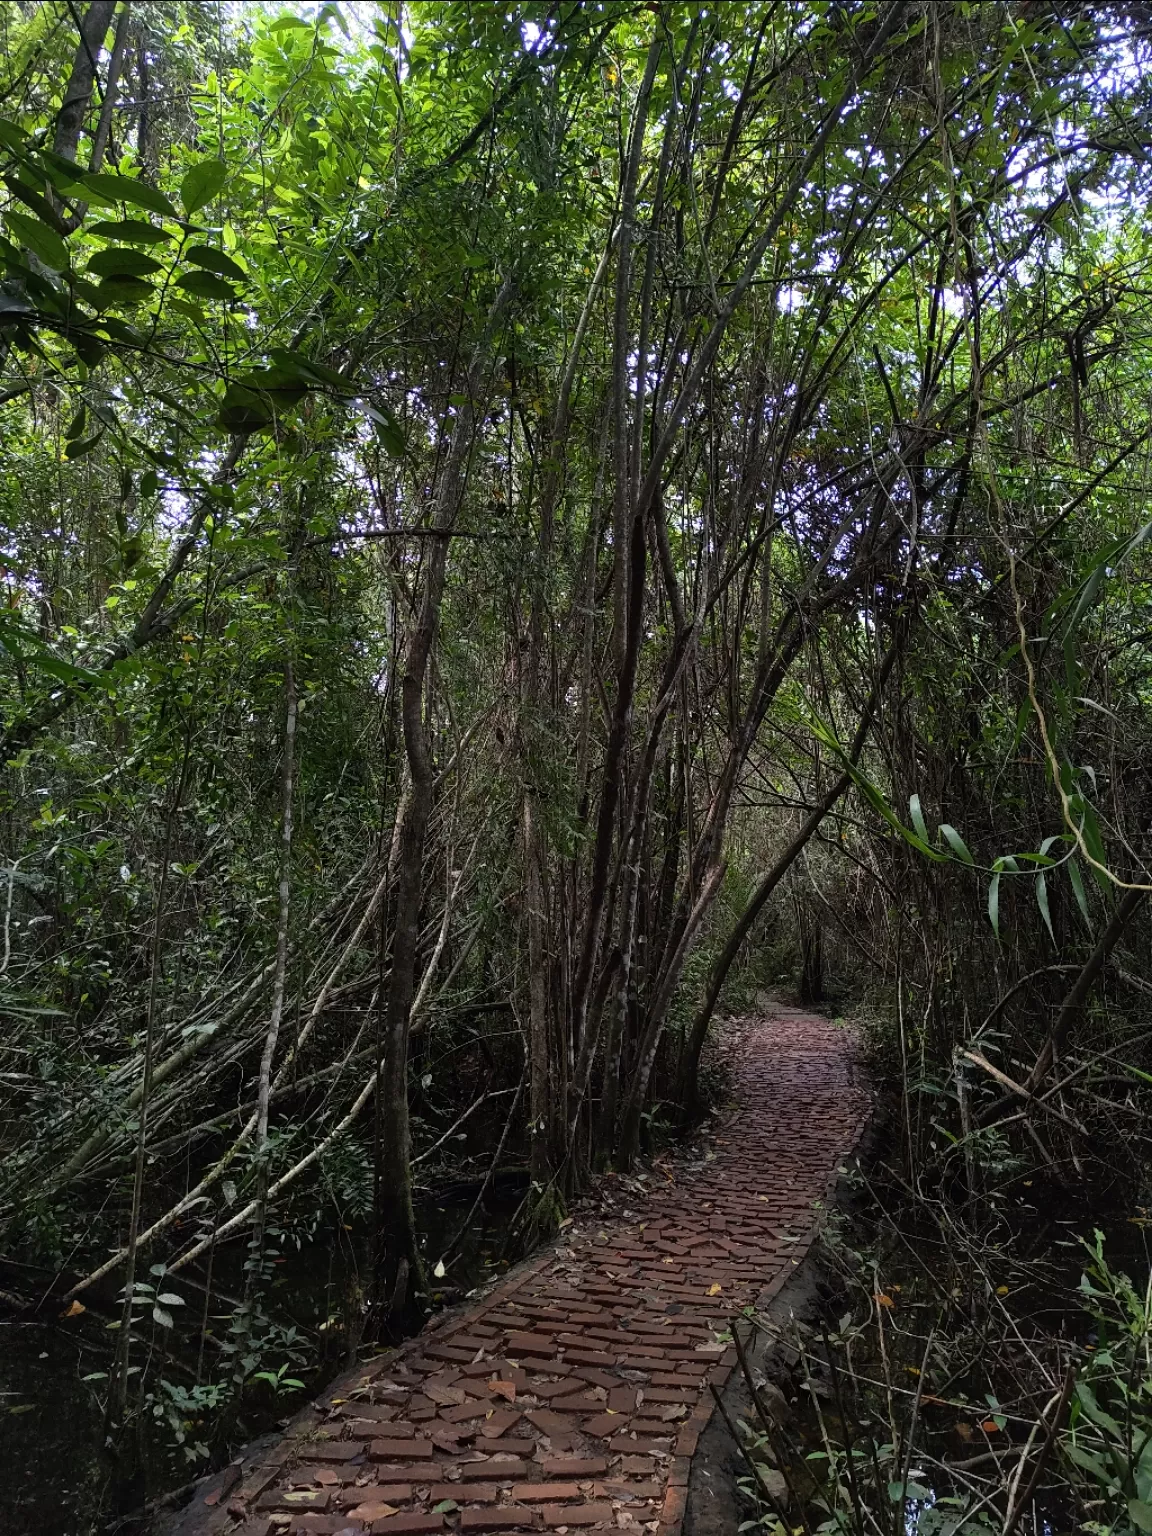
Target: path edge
(723, 1374)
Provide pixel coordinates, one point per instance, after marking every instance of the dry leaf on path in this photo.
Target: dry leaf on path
(445, 1396)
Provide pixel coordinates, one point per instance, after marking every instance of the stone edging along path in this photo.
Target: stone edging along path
(572, 1395)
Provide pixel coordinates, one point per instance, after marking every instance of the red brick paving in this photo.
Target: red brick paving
(573, 1395)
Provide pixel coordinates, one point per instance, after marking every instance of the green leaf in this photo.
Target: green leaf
(445, 1507)
(39, 239)
(243, 410)
(918, 821)
(388, 431)
(1141, 1514)
(332, 13)
(1006, 861)
(1145, 1077)
(306, 369)
(957, 844)
(1077, 883)
(125, 291)
(125, 189)
(206, 285)
(120, 330)
(186, 307)
(122, 261)
(216, 261)
(80, 447)
(170, 1300)
(1090, 832)
(134, 231)
(65, 671)
(11, 134)
(88, 349)
(900, 1490)
(1042, 903)
(281, 386)
(286, 23)
(37, 202)
(1092, 1410)
(160, 1316)
(201, 184)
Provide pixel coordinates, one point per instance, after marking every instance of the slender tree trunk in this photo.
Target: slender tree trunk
(539, 1051)
(690, 1068)
(115, 64)
(82, 81)
(254, 1266)
(629, 1145)
(399, 1280)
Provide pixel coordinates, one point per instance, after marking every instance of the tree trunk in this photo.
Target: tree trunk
(399, 1280)
(82, 81)
(690, 1068)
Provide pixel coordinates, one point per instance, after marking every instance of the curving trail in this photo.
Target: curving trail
(572, 1395)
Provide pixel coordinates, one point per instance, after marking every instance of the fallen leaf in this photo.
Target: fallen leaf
(74, 1309)
(1001, 1290)
(567, 1222)
(504, 1389)
(989, 1426)
(676, 1411)
(714, 1289)
(445, 1396)
(883, 1301)
(367, 1512)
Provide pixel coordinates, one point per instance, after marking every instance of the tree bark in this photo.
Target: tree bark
(82, 81)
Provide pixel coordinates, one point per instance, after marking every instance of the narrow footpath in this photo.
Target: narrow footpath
(572, 1396)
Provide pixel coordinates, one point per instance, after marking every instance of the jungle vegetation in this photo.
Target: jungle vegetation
(525, 524)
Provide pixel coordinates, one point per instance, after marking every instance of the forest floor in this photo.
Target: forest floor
(574, 1393)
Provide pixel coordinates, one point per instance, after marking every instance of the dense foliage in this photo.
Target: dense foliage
(495, 498)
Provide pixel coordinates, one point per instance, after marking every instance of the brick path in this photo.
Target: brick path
(573, 1395)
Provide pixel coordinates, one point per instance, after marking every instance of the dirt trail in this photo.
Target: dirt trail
(572, 1396)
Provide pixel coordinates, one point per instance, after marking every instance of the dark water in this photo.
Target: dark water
(56, 1476)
